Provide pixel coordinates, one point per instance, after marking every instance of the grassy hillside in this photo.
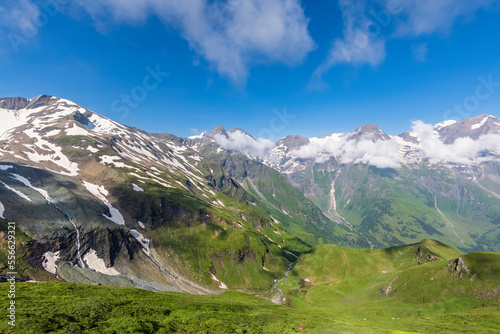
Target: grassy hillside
(331, 290)
(399, 287)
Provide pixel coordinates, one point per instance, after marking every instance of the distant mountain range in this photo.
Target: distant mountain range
(95, 201)
(439, 181)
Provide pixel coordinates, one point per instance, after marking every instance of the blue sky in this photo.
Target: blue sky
(271, 67)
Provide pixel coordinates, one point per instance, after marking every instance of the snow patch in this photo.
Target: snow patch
(49, 264)
(221, 285)
(137, 188)
(143, 241)
(20, 194)
(92, 149)
(218, 203)
(480, 124)
(5, 167)
(97, 264)
(53, 133)
(2, 210)
(444, 124)
(28, 184)
(10, 120)
(76, 131)
(57, 157)
(112, 160)
(100, 192)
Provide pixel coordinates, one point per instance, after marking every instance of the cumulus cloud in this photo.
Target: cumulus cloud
(359, 45)
(428, 16)
(369, 23)
(464, 150)
(378, 153)
(243, 143)
(386, 153)
(232, 35)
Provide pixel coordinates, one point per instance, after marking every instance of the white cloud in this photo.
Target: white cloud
(243, 143)
(361, 44)
(370, 150)
(231, 35)
(366, 28)
(464, 150)
(378, 153)
(429, 16)
(386, 153)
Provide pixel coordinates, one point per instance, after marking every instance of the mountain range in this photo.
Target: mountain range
(98, 202)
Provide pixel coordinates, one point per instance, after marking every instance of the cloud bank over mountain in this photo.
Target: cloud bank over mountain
(375, 149)
(242, 142)
(463, 150)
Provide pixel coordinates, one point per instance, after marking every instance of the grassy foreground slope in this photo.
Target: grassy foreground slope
(73, 308)
(331, 290)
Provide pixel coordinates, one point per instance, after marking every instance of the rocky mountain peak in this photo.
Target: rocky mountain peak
(238, 129)
(293, 142)
(19, 103)
(473, 127)
(217, 130)
(369, 131)
(40, 101)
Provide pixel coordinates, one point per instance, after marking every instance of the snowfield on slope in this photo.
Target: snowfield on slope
(100, 192)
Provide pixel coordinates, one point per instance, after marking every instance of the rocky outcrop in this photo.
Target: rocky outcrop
(424, 256)
(458, 268)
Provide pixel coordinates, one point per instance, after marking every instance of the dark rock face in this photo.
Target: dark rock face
(82, 119)
(39, 101)
(106, 242)
(13, 103)
(245, 254)
(458, 268)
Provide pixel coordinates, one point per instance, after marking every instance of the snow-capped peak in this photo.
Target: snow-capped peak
(444, 124)
(198, 136)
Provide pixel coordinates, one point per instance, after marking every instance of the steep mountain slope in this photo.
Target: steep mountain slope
(98, 202)
(287, 206)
